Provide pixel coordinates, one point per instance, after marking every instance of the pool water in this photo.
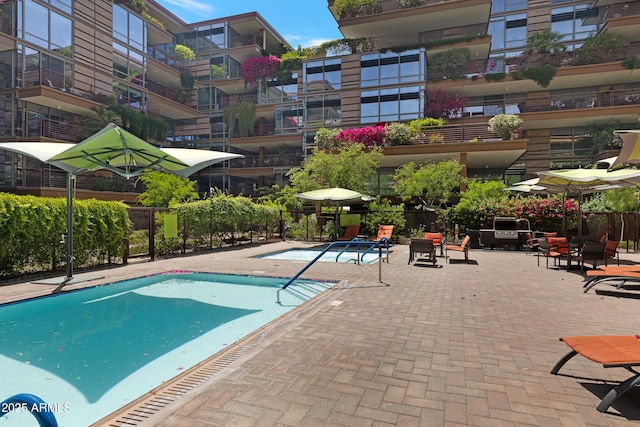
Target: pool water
(310, 254)
(89, 352)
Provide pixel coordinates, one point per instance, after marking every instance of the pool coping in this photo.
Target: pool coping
(173, 393)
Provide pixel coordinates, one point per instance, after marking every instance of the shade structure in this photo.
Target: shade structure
(579, 182)
(336, 195)
(526, 186)
(630, 151)
(119, 151)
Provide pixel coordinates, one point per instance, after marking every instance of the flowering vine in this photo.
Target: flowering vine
(259, 68)
(369, 136)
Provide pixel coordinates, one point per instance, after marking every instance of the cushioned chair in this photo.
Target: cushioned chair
(611, 352)
(611, 250)
(619, 274)
(423, 247)
(558, 249)
(531, 245)
(350, 232)
(438, 240)
(384, 231)
(462, 247)
(591, 251)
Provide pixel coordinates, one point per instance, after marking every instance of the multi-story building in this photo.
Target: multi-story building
(63, 60)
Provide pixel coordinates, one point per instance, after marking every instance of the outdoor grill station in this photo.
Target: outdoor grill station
(507, 231)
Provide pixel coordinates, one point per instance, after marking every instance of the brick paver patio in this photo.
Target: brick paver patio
(459, 345)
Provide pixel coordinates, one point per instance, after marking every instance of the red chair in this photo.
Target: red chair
(350, 232)
(437, 240)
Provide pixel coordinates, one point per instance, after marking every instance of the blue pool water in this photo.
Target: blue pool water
(330, 256)
(89, 352)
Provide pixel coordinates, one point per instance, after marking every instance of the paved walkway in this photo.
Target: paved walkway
(464, 344)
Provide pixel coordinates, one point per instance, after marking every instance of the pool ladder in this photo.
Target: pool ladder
(371, 245)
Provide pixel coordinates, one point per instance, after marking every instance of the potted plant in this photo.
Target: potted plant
(507, 126)
(452, 63)
(603, 47)
(397, 134)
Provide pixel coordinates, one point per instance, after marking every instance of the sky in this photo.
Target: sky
(303, 23)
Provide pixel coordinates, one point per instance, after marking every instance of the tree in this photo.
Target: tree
(432, 183)
(165, 189)
(349, 167)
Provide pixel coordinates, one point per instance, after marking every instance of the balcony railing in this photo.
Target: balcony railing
(269, 160)
(384, 6)
(43, 77)
(56, 129)
(455, 134)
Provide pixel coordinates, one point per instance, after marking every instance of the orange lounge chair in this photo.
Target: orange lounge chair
(384, 231)
(350, 232)
(462, 247)
(622, 274)
(611, 352)
(438, 240)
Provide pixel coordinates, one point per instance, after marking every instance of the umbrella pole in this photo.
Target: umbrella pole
(70, 179)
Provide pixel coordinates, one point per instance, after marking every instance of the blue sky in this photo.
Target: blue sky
(300, 22)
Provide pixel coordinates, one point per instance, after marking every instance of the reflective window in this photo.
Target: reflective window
(129, 28)
(499, 6)
(323, 110)
(386, 105)
(391, 68)
(509, 31)
(574, 22)
(205, 38)
(322, 75)
(128, 64)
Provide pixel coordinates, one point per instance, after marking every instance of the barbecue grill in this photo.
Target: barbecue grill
(506, 231)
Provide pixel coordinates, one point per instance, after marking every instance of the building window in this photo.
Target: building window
(388, 68)
(44, 27)
(501, 6)
(205, 39)
(574, 22)
(323, 110)
(391, 105)
(129, 28)
(508, 32)
(322, 75)
(129, 65)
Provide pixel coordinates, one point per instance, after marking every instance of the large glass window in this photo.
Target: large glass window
(378, 69)
(499, 6)
(322, 110)
(129, 28)
(205, 38)
(508, 32)
(322, 75)
(388, 105)
(574, 22)
(44, 27)
(128, 64)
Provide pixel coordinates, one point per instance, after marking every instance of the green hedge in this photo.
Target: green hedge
(32, 227)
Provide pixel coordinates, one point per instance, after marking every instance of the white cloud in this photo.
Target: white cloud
(191, 6)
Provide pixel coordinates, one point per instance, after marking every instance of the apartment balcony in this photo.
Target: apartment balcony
(622, 18)
(394, 25)
(49, 129)
(481, 148)
(267, 160)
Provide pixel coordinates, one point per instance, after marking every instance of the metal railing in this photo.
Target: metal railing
(370, 245)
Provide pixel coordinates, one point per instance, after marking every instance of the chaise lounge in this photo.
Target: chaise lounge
(611, 352)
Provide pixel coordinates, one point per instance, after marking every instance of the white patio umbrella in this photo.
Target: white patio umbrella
(586, 181)
(119, 151)
(335, 194)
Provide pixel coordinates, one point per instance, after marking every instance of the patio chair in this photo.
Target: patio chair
(558, 249)
(591, 251)
(611, 251)
(438, 240)
(350, 232)
(424, 247)
(611, 352)
(462, 247)
(384, 231)
(531, 245)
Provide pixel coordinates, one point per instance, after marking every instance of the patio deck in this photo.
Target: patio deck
(465, 344)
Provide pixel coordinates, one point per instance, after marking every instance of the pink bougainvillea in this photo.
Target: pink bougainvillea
(259, 68)
(369, 136)
(441, 104)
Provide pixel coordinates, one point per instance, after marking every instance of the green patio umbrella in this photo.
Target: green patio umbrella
(119, 151)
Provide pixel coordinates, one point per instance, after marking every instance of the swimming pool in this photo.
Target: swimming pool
(89, 352)
(309, 254)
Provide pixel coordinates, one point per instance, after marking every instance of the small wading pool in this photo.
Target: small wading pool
(89, 352)
(310, 254)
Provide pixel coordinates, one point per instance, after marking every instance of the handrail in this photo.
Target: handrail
(350, 242)
(384, 240)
